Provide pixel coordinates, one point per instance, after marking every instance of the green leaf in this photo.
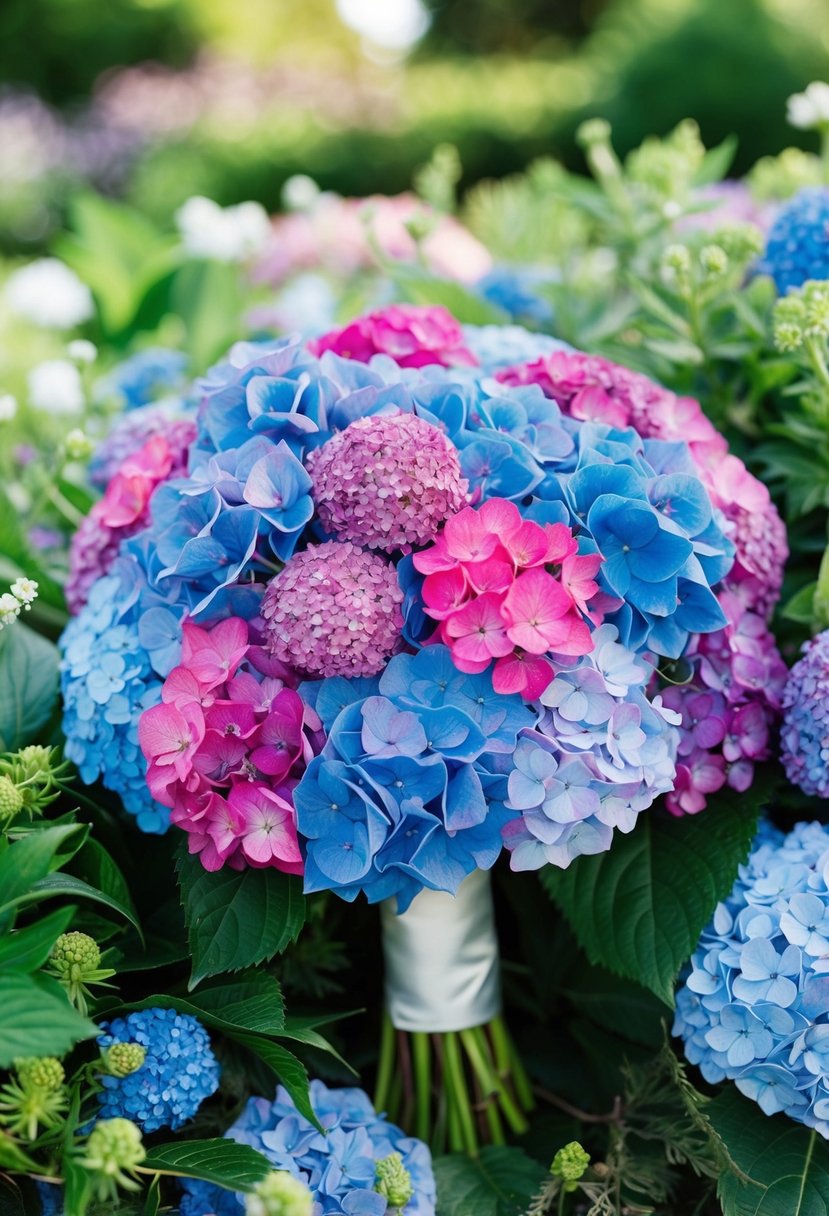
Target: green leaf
(77, 1191)
(208, 298)
(36, 1018)
(28, 949)
(238, 1167)
(787, 1164)
(76, 888)
(716, 162)
(500, 1181)
(635, 910)
(236, 920)
(290, 1071)
(253, 1004)
(94, 866)
(29, 679)
(463, 305)
(29, 860)
(12, 1157)
(16, 551)
(800, 607)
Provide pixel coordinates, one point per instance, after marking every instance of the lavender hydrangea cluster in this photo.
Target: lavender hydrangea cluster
(803, 747)
(754, 1005)
(339, 1165)
(132, 430)
(178, 1073)
(600, 754)
(797, 248)
(400, 798)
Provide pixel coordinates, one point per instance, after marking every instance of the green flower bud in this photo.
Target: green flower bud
(593, 131)
(122, 1059)
(78, 445)
(40, 1072)
(713, 260)
(112, 1152)
(35, 762)
(75, 955)
(11, 799)
(816, 302)
(789, 322)
(787, 337)
(279, 1194)
(393, 1181)
(569, 1164)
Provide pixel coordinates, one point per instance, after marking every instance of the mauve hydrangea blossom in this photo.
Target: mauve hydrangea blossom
(797, 247)
(413, 335)
(387, 482)
(226, 748)
(601, 753)
(803, 740)
(507, 589)
(334, 610)
(123, 511)
(754, 1003)
(132, 430)
(339, 1164)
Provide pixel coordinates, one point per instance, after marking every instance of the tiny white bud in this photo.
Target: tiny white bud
(82, 351)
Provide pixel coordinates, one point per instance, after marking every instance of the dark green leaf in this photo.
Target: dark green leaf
(36, 1018)
(77, 1190)
(638, 912)
(236, 920)
(28, 949)
(30, 860)
(224, 1162)
(500, 1181)
(290, 1071)
(12, 1156)
(207, 296)
(94, 866)
(252, 1004)
(788, 1164)
(76, 888)
(29, 679)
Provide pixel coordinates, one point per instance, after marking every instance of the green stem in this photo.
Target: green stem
(454, 1070)
(422, 1083)
(562, 1196)
(509, 1062)
(477, 1049)
(385, 1065)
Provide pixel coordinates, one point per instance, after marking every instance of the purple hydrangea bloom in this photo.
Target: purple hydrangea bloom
(753, 1006)
(338, 1166)
(806, 719)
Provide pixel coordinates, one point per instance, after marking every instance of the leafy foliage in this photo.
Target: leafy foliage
(235, 1166)
(500, 1181)
(29, 678)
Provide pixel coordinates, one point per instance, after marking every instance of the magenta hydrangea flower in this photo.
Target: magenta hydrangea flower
(413, 335)
(131, 431)
(334, 610)
(806, 719)
(590, 388)
(387, 482)
(123, 510)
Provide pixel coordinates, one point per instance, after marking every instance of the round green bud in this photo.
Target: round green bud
(569, 1164)
(35, 762)
(78, 445)
(787, 337)
(279, 1194)
(44, 1073)
(122, 1059)
(677, 258)
(393, 1181)
(11, 799)
(75, 954)
(593, 131)
(114, 1146)
(714, 260)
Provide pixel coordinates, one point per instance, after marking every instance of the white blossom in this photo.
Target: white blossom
(24, 590)
(809, 108)
(55, 385)
(222, 234)
(82, 351)
(8, 407)
(48, 293)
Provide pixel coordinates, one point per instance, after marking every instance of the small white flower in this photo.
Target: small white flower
(809, 108)
(9, 608)
(82, 351)
(229, 234)
(8, 407)
(24, 590)
(300, 192)
(55, 385)
(48, 293)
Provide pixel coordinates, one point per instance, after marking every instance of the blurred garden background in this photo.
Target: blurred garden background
(154, 101)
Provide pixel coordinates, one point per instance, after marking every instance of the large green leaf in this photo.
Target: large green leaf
(236, 920)
(28, 949)
(235, 1166)
(639, 909)
(787, 1164)
(207, 296)
(500, 1181)
(252, 1004)
(290, 1071)
(30, 860)
(76, 888)
(29, 679)
(36, 1018)
(96, 867)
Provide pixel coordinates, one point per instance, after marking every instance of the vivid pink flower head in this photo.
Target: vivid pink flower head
(413, 335)
(213, 655)
(268, 834)
(387, 482)
(334, 610)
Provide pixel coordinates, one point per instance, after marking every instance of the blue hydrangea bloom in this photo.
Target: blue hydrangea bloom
(516, 290)
(338, 1167)
(143, 378)
(754, 1003)
(51, 1198)
(397, 800)
(497, 346)
(178, 1073)
(797, 248)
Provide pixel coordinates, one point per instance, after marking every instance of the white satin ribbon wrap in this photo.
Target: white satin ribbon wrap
(442, 966)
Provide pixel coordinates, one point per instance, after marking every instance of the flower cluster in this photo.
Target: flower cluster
(179, 1069)
(226, 748)
(507, 589)
(600, 754)
(143, 378)
(413, 335)
(806, 714)
(400, 797)
(342, 1165)
(753, 1007)
(728, 707)
(123, 511)
(19, 598)
(498, 346)
(386, 482)
(131, 431)
(797, 247)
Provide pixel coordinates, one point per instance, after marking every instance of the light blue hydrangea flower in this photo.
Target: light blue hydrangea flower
(797, 248)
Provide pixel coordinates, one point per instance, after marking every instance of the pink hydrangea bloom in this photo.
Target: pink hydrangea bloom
(123, 510)
(411, 334)
(226, 747)
(507, 589)
(387, 482)
(334, 610)
(589, 387)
